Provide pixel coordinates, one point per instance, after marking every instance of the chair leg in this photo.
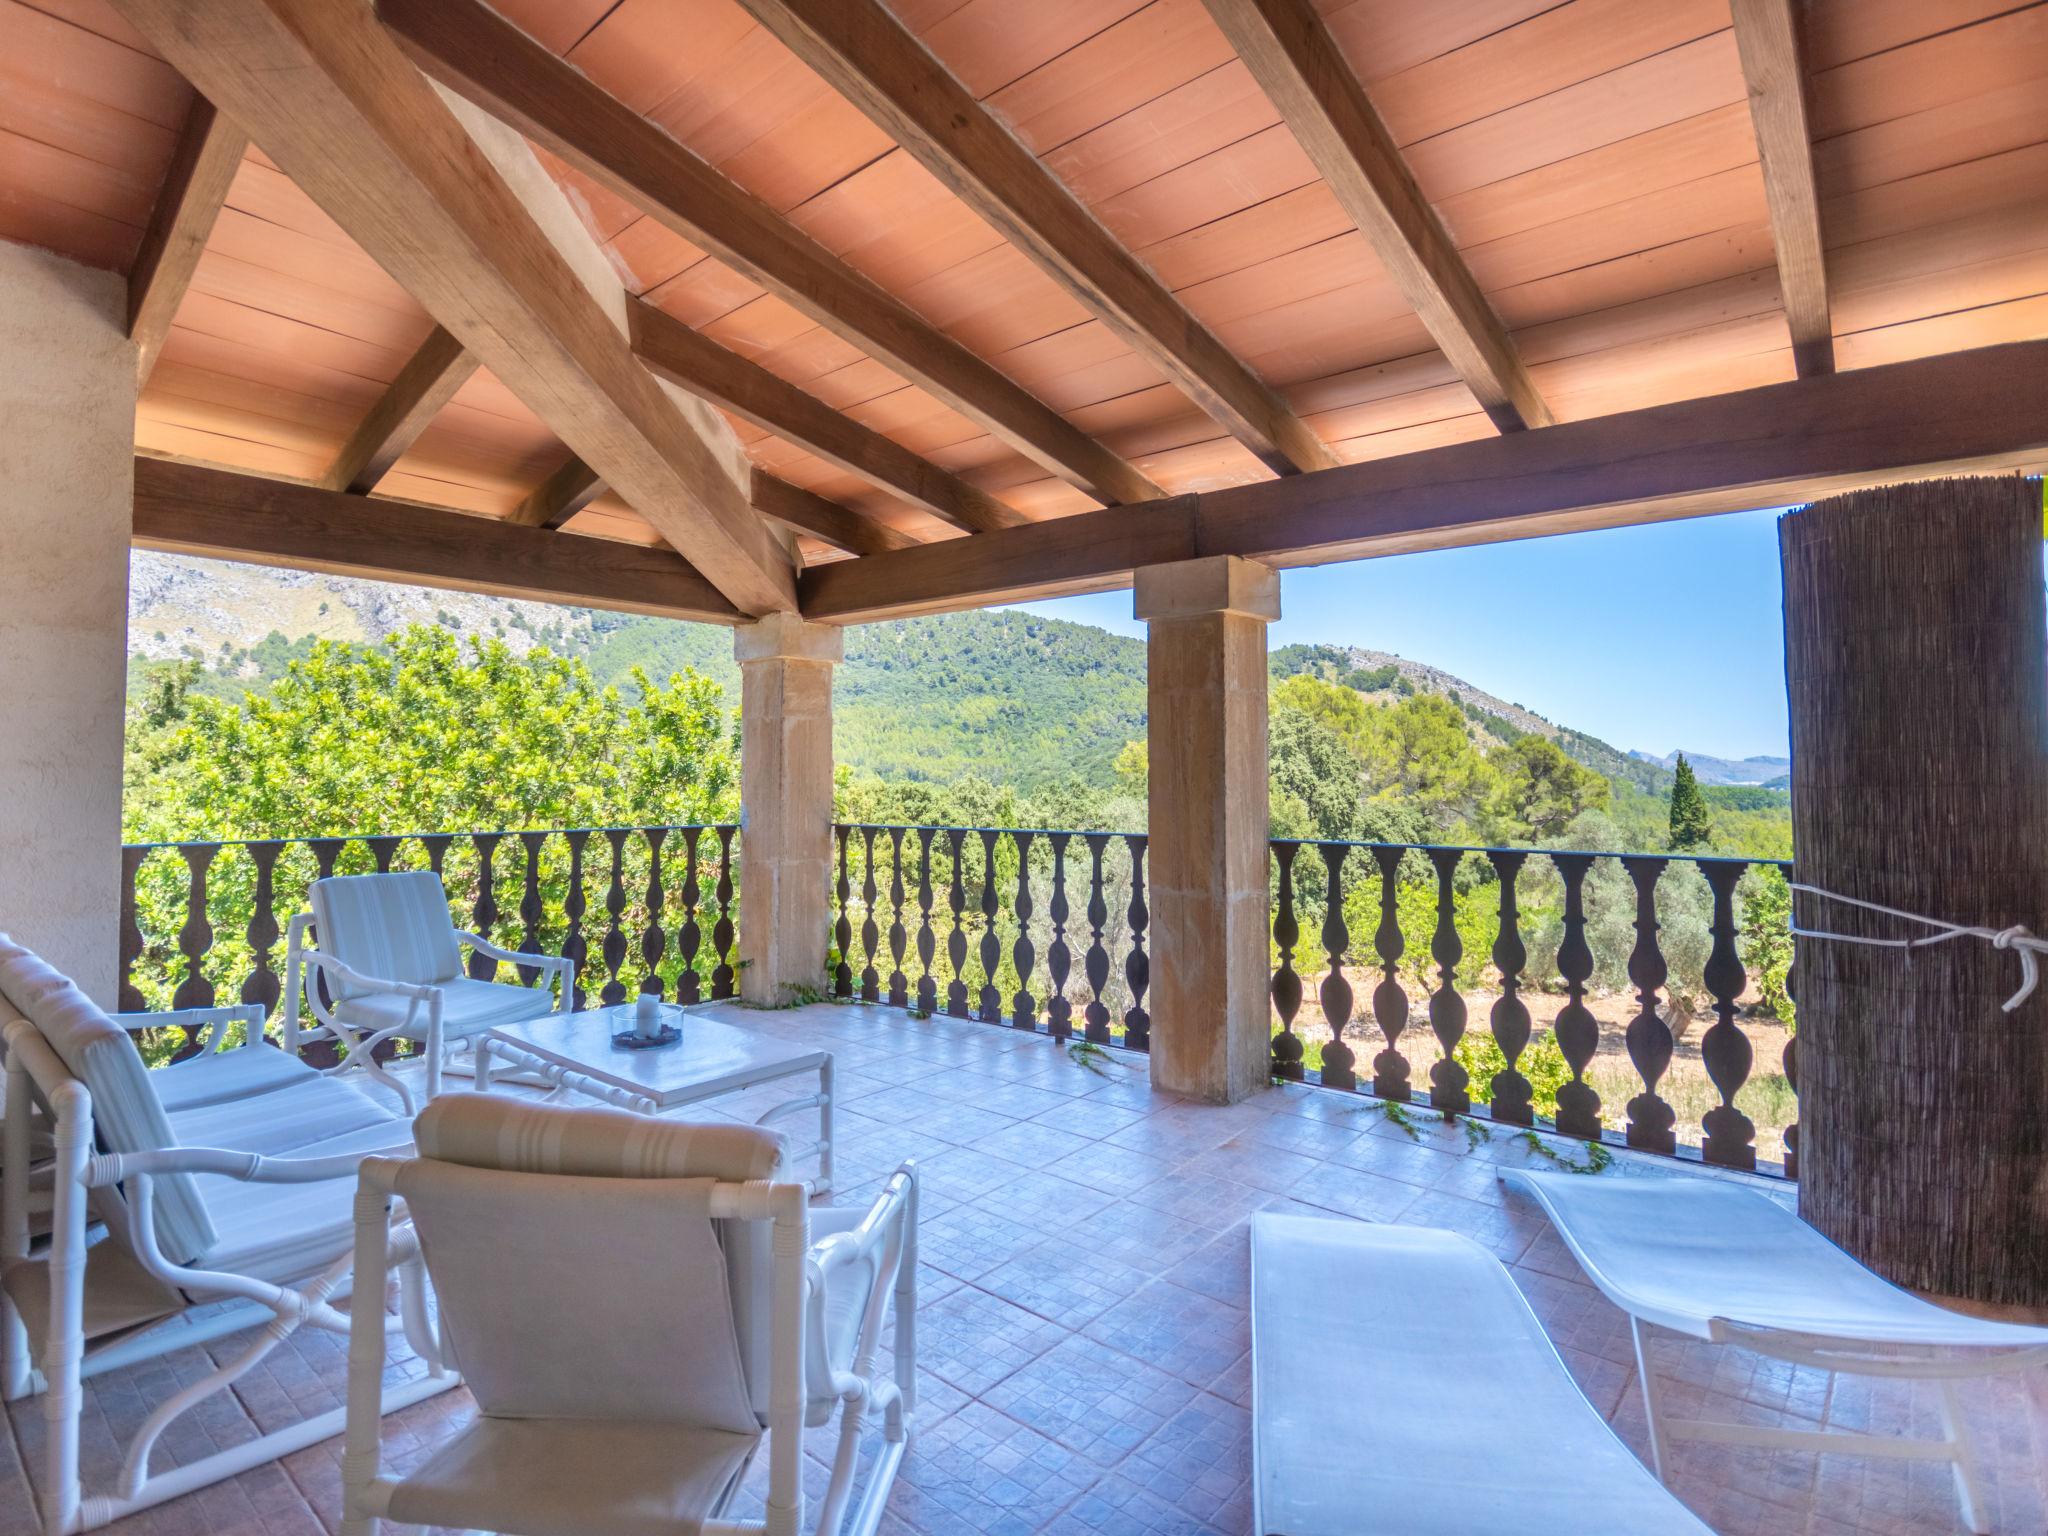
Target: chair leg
(1652, 1411)
(1969, 1485)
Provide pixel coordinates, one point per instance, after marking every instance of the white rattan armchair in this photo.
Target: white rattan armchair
(388, 966)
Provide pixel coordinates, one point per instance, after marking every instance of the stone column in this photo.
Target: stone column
(785, 803)
(1206, 701)
(67, 397)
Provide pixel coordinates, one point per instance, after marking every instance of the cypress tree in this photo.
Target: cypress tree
(1689, 820)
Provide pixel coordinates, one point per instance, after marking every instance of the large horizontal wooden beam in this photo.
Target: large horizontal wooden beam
(695, 362)
(1290, 52)
(203, 165)
(1981, 411)
(189, 509)
(472, 50)
(428, 381)
(876, 63)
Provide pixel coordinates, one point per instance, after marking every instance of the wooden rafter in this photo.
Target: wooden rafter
(733, 383)
(876, 63)
(472, 50)
(193, 510)
(808, 512)
(559, 497)
(428, 381)
(1290, 52)
(463, 216)
(1981, 411)
(1767, 37)
(202, 169)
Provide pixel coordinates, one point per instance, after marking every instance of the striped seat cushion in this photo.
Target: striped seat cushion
(393, 927)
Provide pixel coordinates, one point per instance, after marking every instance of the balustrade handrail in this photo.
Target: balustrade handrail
(1674, 855)
(365, 837)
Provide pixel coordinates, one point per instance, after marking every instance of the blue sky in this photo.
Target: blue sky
(1656, 637)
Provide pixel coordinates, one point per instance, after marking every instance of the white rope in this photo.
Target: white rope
(2018, 938)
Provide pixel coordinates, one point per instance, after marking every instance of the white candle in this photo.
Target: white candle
(647, 1015)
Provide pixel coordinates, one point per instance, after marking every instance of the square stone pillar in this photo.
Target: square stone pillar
(1206, 702)
(785, 803)
(67, 496)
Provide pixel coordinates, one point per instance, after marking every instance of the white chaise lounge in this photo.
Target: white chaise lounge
(1715, 1261)
(1400, 1383)
(225, 1188)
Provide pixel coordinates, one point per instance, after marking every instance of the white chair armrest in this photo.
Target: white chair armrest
(335, 971)
(207, 1024)
(547, 965)
(117, 1167)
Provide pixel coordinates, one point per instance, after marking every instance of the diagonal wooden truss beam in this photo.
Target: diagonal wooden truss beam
(1767, 37)
(1290, 52)
(841, 527)
(195, 510)
(472, 50)
(508, 269)
(697, 363)
(428, 381)
(876, 63)
(559, 497)
(202, 169)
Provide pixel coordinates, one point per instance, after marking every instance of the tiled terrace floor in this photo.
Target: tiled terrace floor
(1083, 1335)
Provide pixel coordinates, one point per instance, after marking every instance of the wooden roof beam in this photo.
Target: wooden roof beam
(821, 518)
(472, 50)
(559, 497)
(190, 509)
(1981, 411)
(1767, 37)
(203, 166)
(427, 382)
(876, 63)
(457, 209)
(695, 362)
(1290, 52)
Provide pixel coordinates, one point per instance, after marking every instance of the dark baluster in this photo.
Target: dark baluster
(956, 941)
(690, 937)
(1577, 1031)
(1137, 964)
(870, 934)
(131, 999)
(842, 973)
(1287, 1050)
(1724, 1049)
(990, 950)
(574, 946)
(1335, 994)
(722, 930)
(381, 850)
(326, 850)
(653, 942)
(1449, 1082)
(1095, 1029)
(531, 907)
(436, 845)
(927, 939)
(1059, 960)
(195, 938)
(1511, 1094)
(1390, 1078)
(899, 984)
(1023, 1006)
(1650, 1119)
(484, 916)
(263, 987)
(614, 948)
(1792, 1061)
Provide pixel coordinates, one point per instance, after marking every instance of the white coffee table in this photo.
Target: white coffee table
(574, 1053)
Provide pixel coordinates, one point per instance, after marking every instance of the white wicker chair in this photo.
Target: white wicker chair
(632, 1302)
(185, 1259)
(390, 955)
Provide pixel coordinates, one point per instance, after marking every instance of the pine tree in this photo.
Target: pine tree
(1689, 820)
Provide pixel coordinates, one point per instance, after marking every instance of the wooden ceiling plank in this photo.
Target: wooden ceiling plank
(878, 64)
(475, 52)
(428, 381)
(821, 518)
(559, 497)
(1982, 411)
(1767, 36)
(1289, 51)
(191, 509)
(203, 166)
(695, 362)
(457, 209)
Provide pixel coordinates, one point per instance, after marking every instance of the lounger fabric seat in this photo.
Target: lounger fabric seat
(1401, 1384)
(284, 1232)
(282, 1122)
(221, 1077)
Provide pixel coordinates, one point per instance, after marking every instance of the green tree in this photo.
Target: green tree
(1421, 751)
(1538, 791)
(1691, 823)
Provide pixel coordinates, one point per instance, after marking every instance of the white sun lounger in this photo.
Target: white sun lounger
(1400, 1383)
(1719, 1262)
